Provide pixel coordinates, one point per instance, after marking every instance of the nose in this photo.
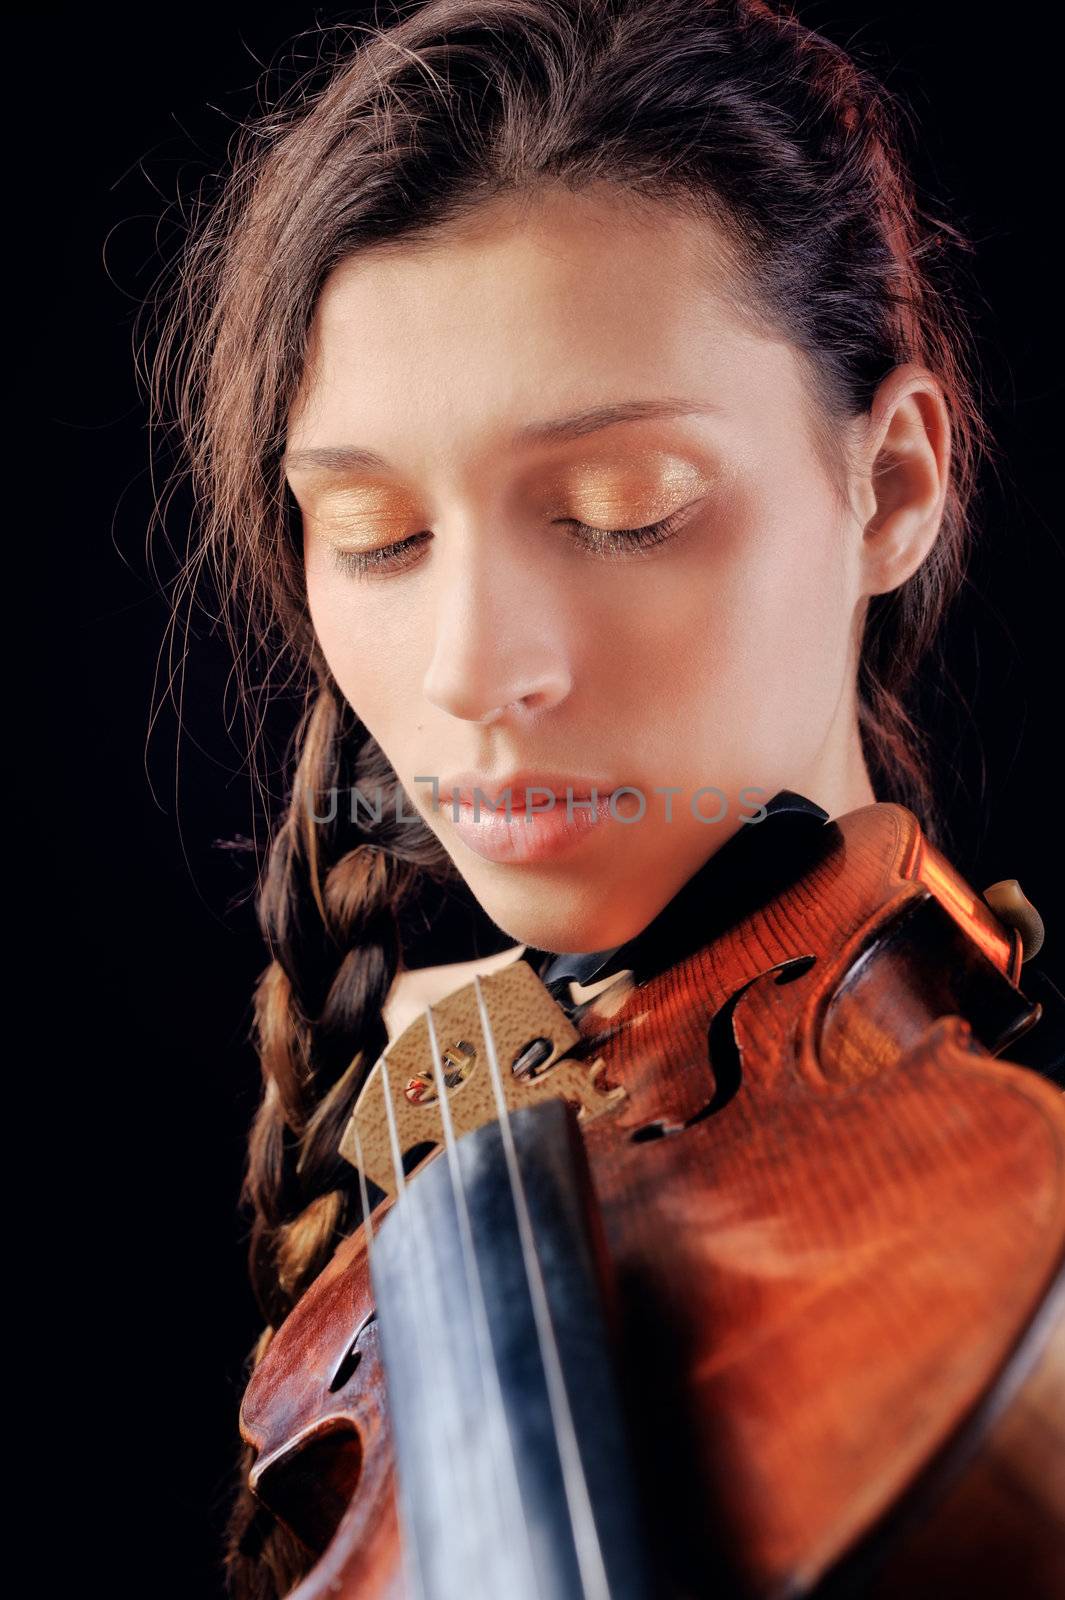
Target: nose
(500, 647)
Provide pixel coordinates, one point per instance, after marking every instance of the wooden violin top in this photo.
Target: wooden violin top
(835, 1222)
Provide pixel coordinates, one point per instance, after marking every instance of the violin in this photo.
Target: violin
(745, 1279)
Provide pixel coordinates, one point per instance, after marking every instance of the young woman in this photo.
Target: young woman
(576, 400)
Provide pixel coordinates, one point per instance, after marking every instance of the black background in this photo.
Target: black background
(159, 1095)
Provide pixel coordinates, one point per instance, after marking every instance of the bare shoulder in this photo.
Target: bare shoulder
(412, 991)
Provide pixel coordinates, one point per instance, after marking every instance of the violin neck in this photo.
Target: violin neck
(513, 1463)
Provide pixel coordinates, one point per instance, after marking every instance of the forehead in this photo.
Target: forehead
(532, 307)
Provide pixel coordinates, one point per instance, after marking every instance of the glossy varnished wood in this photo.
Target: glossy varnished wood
(836, 1221)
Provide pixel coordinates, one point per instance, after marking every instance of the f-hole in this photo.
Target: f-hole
(723, 1054)
(349, 1361)
(311, 1485)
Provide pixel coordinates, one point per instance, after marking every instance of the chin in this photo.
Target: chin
(556, 921)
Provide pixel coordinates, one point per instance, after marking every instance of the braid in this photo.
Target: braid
(328, 912)
(770, 131)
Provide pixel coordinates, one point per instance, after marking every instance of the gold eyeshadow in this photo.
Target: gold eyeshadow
(362, 514)
(628, 490)
(635, 489)
(367, 499)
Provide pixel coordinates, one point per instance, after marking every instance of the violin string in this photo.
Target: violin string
(501, 1441)
(442, 1475)
(393, 1136)
(589, 1551)
(364, 1197)
(414, 1574)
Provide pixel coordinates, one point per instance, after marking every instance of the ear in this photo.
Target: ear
(904, 467)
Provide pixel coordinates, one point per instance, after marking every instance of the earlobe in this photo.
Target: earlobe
(907, 477)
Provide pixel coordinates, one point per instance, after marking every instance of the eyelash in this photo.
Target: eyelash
(606, 542)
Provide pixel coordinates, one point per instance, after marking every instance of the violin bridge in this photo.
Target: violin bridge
(531, 1034)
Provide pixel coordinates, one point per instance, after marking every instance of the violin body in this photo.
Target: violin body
(835, 1226)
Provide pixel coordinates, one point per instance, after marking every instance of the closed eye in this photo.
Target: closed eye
(605, 542)
(621, 541)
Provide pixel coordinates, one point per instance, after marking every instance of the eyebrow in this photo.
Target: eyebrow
(555, 430)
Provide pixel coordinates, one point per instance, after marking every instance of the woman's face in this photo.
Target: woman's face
(479, 419)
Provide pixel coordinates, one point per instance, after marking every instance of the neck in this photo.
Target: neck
(836, 776)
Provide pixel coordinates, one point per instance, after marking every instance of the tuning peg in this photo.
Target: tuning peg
(1012, 906)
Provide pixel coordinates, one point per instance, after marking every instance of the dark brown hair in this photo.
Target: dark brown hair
(731, 109)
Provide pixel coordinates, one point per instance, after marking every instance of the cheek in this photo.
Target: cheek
(336, 622)
(368, 642)
(741, 650)
(783, 622)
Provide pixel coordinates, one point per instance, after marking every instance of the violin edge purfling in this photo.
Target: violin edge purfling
(866, 1120)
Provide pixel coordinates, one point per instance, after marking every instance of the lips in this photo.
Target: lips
(549, 812)
(529, 836)
(527, 789)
